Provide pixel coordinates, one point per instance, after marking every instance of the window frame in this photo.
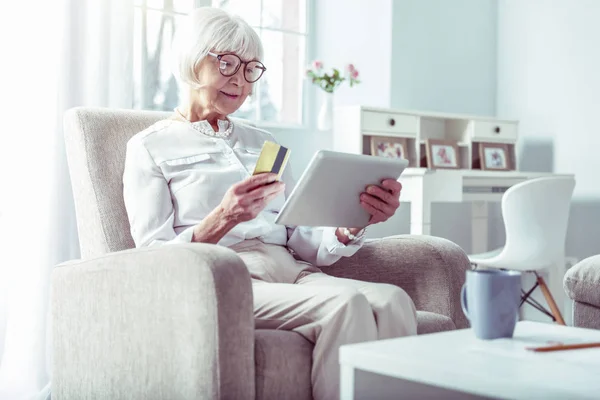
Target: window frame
(307, 118)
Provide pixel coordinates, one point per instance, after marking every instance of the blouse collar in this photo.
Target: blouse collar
(204, 127)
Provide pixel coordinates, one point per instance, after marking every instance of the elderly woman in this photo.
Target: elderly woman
(189, 179)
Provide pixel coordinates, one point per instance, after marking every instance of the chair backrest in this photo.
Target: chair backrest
(536, 214)
(95, 140)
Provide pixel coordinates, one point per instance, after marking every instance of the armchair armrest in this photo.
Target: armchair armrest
(582, 281)
(431, 270)
(171, 322)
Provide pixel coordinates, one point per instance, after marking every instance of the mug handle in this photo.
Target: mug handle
(463, 300)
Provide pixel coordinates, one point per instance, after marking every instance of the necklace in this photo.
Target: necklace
(225, 126)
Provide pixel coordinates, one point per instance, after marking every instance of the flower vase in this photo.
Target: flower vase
(325, 120)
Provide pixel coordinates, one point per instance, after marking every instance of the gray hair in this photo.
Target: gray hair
(211, 29)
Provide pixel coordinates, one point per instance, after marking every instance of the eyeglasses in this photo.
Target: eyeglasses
(229, 64)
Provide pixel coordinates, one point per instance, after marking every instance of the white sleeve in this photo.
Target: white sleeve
(317, 245)
(148, 200)
(320, 246)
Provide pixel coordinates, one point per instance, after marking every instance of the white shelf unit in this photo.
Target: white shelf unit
(355, 125)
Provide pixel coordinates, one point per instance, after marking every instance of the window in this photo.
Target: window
(282, 25)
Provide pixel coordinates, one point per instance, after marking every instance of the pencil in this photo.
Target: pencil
(565, 347)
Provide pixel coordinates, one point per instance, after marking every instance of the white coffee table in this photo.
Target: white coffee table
(458, 362)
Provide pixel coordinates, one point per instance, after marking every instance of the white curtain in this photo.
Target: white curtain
(56, 55)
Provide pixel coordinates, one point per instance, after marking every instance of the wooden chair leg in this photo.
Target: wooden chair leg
(550, 300)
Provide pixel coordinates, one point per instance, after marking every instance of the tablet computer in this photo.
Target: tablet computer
(327, 193)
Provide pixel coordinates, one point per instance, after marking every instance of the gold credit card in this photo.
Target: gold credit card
(272, 158)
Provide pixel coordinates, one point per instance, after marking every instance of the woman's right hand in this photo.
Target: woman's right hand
(246, 199)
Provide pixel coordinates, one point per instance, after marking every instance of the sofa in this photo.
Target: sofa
(582, 285)
(176, 321)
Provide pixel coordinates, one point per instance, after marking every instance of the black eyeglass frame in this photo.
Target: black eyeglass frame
(260, 65)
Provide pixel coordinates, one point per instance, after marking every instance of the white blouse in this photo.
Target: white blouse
(176, 175)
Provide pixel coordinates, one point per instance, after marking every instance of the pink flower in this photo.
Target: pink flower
(354, 74)
(351, 68)
(317, 65)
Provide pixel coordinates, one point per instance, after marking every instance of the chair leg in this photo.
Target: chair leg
(526, 298)
(550, 300)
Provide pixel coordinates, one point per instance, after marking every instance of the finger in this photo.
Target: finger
(254, 181)
(260, 192)
(266, 190)
(393, 185)
(376, 203)
(383, 194)
(376, 215)
(259, 204)
(267, 199)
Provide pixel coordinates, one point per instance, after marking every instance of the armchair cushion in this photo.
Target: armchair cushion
(283, 362)
(582, 281)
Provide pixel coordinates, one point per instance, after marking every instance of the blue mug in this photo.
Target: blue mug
(490, 300)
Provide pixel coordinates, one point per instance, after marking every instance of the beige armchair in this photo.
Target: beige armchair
(176, 322)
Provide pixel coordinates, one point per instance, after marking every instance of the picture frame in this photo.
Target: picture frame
(494, 157)
(442, 154)
(389, 147)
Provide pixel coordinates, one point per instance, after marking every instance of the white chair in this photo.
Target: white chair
(535, 213)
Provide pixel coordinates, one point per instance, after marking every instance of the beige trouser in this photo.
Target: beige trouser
(328, 311)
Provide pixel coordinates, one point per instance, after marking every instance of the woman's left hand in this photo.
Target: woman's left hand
(381, 201)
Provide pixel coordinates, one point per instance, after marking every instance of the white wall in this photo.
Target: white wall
(444, 55)
(357, 32)
(549, 79)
